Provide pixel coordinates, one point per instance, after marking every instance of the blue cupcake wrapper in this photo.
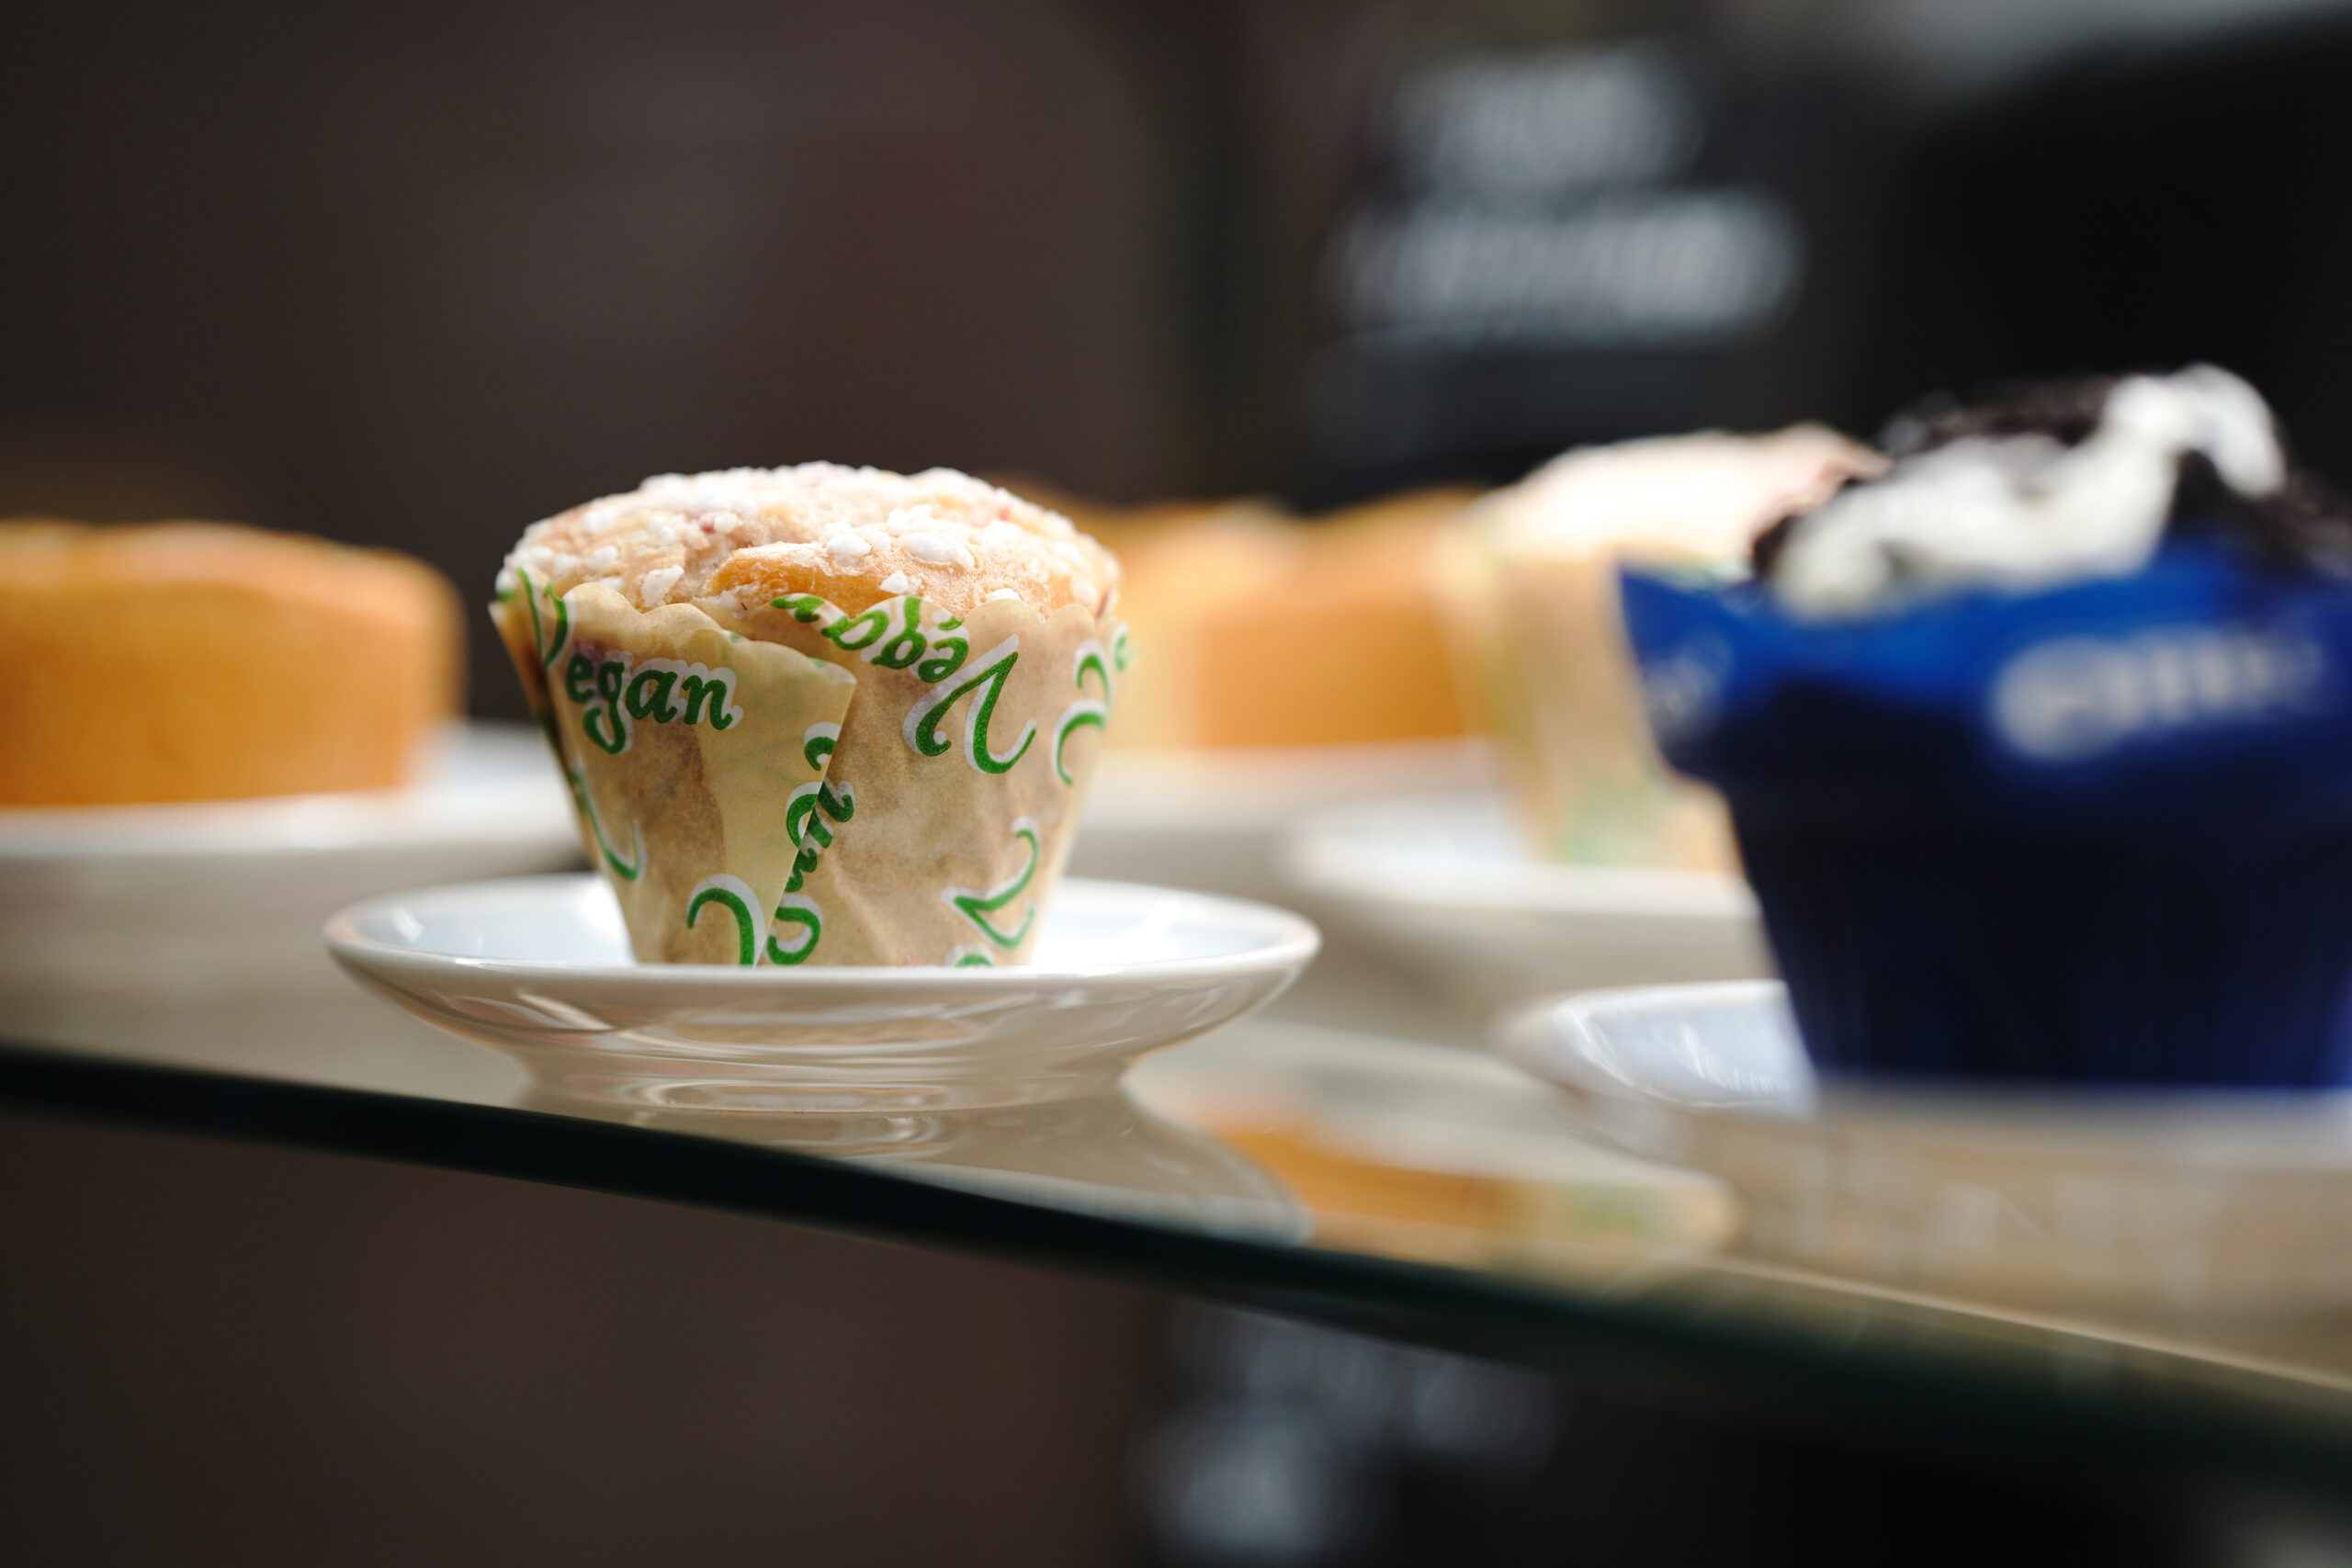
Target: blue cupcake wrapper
(2100, 833)
(1974, 953)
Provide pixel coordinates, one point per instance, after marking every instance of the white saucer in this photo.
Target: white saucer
(2124, 1198)
(1447, 884)
(539, 967)
(175, 903)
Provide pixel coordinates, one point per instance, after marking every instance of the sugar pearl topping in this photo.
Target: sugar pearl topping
(849, 534)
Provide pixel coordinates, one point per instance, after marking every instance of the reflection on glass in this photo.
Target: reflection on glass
(1099, 1153)
(1287, 1439)
(1433, 1155)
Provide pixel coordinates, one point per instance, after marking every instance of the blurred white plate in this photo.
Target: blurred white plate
(1447, 884)
(2126, 1200)
(539, 967)
(1211, 819)
(224, 899)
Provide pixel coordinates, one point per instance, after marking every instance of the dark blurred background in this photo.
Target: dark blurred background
(417, 275)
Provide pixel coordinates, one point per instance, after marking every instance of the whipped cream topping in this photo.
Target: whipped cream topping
(2027, 510)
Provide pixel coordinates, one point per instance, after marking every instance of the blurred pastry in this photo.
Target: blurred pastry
(1262, 629)
(182, 662)
(821, 714)
(1346, 645)
(1530, 582)
(2040, 747)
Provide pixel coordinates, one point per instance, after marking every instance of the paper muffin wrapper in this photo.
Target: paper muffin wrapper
(1541, 653)
(691, 751)
(910, 800)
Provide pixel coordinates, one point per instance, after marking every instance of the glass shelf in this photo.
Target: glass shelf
(1295, 1161)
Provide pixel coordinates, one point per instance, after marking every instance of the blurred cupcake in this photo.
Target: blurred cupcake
(2040, 747)
(820, 713)
(1530, 582)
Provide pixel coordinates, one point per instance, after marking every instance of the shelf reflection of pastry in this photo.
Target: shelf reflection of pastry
(1431, 1154)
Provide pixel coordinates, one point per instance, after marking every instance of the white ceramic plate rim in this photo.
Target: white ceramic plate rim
(511, 796)
(1291, 942)
(1187, 791)
(1336, 853)
(1533, 1035)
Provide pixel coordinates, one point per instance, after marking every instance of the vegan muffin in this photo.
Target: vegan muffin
(821, 714)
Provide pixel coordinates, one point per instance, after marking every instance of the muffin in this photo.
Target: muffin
(1271, 631)
(1179, 565)
(2040, 746)
(186, 662)
(1346, 645)
(820, 713)
(1530, 580)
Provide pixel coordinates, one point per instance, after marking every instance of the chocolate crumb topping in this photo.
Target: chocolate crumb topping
(2298, 523)
(2305, 522)
(1764, 550)
(2067, 411)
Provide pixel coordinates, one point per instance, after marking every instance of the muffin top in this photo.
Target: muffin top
(852, 536)
(1690, 496)
(42, 555)
(2056, 482)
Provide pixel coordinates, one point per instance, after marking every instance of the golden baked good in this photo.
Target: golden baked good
(1263, 630)
(1179, 567)
(1347, 646)
(179, 661)
(852, 710)
(847, 533)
